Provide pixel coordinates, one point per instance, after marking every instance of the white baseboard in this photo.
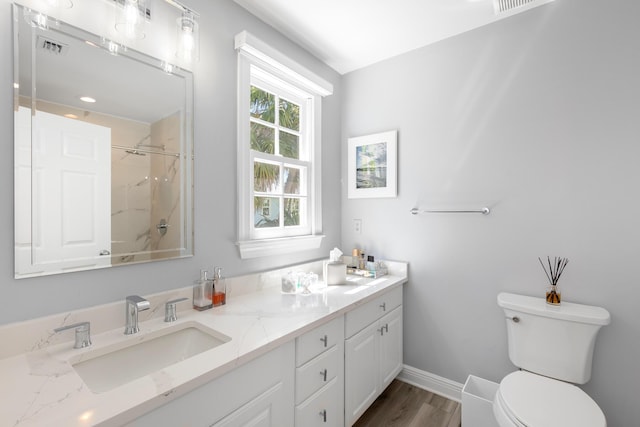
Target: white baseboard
(431, 382)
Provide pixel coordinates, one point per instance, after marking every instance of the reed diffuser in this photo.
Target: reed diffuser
(553, 274)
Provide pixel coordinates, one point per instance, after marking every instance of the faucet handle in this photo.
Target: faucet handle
(83, 333)
(170, 313)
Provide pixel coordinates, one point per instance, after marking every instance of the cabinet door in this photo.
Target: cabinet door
(361, 372)
(390, 346)
(259, 412)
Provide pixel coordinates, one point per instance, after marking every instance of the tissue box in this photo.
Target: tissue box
(334, 273)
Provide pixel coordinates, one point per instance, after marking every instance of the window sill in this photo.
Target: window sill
(280, 246)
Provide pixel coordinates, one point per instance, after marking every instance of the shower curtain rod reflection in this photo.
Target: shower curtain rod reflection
(143, 151)
(483, 211)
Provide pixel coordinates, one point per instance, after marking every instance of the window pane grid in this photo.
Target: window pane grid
(269, 179)
(284, 121)
(279, 193)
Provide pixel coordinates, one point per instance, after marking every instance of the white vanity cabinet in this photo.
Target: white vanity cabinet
(373, 351)
(319, 394)
(259, 393)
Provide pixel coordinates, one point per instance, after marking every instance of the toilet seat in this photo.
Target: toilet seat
(525, 399)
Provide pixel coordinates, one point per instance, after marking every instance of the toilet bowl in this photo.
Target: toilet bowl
(525, 399)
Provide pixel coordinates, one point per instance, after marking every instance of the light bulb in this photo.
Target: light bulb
(131, 14)
(188, 41)
(187, 48)
(130, 20)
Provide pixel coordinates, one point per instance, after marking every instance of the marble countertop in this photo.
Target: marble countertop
(40, 387)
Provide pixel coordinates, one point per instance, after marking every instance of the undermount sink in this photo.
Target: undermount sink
(104, 369)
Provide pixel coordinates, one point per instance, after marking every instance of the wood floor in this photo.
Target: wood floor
(404, 405)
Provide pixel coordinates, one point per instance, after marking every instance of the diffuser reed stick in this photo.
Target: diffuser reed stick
(553, 274)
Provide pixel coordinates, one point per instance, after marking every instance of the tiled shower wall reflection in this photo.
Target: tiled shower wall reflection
(145, 192)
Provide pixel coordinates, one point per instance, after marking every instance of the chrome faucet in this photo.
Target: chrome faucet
(135, 304)
(83, 333)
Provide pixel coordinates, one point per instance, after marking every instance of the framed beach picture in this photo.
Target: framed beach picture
(372, 165)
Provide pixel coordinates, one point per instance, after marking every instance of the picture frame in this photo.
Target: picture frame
(372, 162)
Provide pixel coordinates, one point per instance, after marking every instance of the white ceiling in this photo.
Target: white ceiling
(351, 34)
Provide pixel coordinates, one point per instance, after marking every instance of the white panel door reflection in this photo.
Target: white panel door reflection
(71, 194)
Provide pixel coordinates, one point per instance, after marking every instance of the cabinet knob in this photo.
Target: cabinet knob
(323, 414)
(383, 306)
(324, 374)
(324, 340)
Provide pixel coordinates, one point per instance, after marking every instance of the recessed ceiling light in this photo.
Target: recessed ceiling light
(87, 99)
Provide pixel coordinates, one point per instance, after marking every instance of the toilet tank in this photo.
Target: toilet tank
(554, 341)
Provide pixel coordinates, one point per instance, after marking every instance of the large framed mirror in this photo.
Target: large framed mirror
(103, 147)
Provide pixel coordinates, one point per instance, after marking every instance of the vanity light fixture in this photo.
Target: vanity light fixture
(188, 36)
(132, 15)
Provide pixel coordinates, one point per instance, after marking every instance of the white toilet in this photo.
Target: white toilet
(553, 347)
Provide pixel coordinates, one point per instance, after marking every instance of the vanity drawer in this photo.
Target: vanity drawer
(359, 318)
(320, 339)
(317, 373)
(323, 409)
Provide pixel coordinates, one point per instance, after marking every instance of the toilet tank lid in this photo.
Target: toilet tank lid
(565, 311)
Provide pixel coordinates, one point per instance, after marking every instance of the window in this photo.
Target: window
(279, 193)
(281, 160)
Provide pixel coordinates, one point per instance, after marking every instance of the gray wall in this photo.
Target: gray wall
(538, 117)
(215, 178)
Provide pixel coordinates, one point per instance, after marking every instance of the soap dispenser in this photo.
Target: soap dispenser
(203, 292)
(219, 288)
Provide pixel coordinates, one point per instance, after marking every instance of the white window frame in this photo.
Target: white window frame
(258, 62)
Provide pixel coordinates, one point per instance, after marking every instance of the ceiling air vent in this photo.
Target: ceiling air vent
(52, 46)
(502, 6)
